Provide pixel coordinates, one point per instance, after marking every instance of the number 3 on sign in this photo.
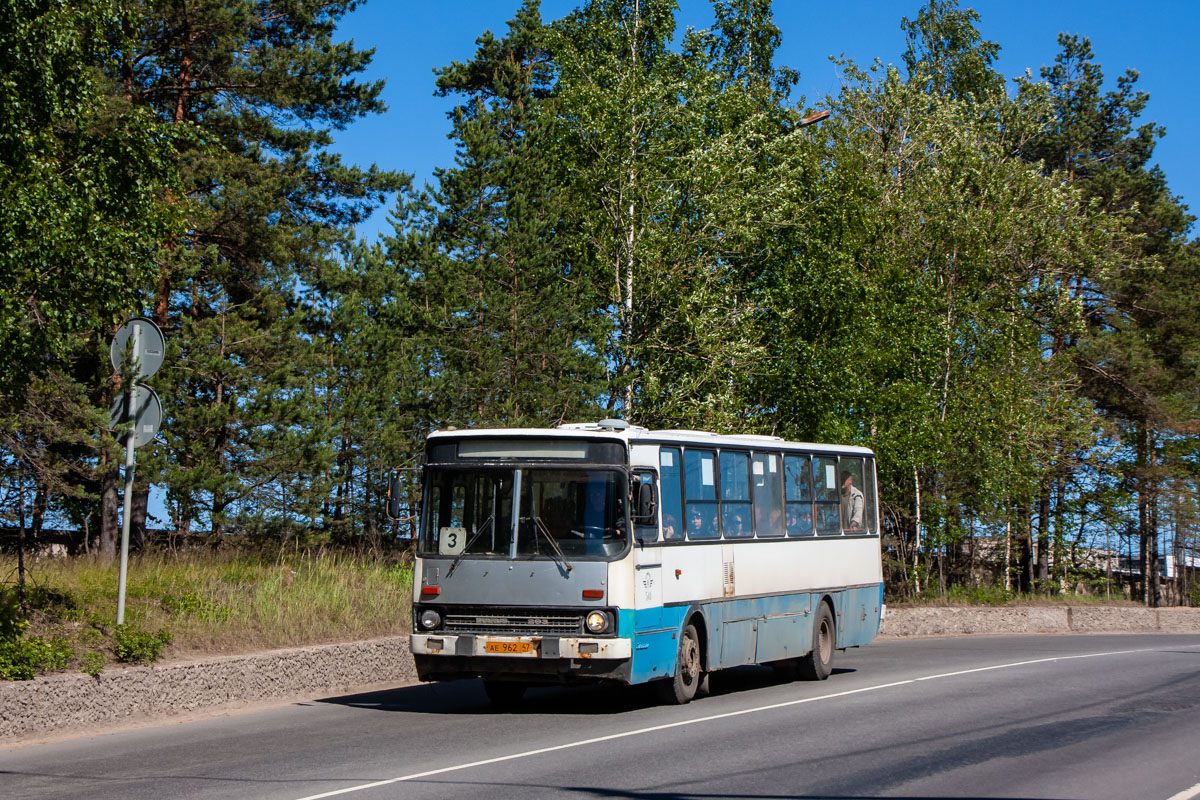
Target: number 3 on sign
(451, 541)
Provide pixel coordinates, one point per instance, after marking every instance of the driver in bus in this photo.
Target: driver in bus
(852, 504)
(595, 522)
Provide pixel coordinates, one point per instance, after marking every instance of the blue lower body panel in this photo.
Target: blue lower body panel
(747, 631)
(655, 641)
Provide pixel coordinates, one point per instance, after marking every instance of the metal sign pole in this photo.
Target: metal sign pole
(128, 508)
(125, 528)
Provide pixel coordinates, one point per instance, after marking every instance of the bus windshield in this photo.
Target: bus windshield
(572, 513)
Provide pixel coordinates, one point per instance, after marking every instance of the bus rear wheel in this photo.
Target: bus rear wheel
(504, 694)
(817, 665)
(689, 673)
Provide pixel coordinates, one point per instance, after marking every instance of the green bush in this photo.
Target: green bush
(12, 624)
(989, 595)
(93, 663)
(133, 646)
(22, 659)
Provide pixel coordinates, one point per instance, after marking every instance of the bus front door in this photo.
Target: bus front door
(654, 637)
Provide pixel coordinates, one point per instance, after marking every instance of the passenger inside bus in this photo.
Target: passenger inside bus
(799, 519)
(671, 528)
(852, 504)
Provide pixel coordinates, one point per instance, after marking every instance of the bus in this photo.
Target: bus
(610, 552)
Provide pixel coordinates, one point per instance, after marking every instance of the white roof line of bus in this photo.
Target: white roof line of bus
(633, 433)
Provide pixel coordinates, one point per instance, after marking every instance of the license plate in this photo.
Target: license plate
(508, 647)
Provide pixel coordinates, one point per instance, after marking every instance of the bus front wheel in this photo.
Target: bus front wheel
(688, 670)
(817, 665)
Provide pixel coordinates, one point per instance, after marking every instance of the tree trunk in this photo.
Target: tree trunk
(1143, 505)
(972, 580)
(1042, 570)
(141, 510)
(1153, 577)
(1058, 537)
(21, 543)
(917, 531)
(110, 523)
(1024, 551)
(1008, 556)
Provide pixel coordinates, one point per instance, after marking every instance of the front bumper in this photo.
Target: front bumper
(538, 647)
(544, 660)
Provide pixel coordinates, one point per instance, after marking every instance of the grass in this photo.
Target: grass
(995, 595)
(213, 603)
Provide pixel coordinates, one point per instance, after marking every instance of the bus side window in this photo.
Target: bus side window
(853, 499)
(768, 494)
(828, 507)
(670, 473)
(869, 493)
(735, 495)
(798, 492)
(700, 494)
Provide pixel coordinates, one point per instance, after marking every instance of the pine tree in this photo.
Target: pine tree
(261, 83)
(1131, 353)
(511, 324)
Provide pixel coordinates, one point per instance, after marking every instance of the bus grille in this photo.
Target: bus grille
(522, 623)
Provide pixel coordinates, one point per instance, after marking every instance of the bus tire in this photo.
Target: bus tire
(689, 673)
(504, 694)
(817, 665)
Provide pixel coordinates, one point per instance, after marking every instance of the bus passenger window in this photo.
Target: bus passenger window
(768, 494)
(735, 495)
(869, 494)
(700, 494)
(828, 505)
(853, 501)
(670, 472)
(798, 493)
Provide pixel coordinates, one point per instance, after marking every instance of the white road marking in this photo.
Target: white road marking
(1187, 794)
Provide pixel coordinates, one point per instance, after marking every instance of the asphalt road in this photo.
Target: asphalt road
(1004, 716)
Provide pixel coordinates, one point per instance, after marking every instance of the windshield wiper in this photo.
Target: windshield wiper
(467, 547)
(540, 529)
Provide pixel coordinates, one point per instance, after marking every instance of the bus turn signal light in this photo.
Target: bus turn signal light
(430, 591)
(593, 594)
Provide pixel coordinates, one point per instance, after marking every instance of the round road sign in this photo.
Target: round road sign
(143, 408)
(150, 346)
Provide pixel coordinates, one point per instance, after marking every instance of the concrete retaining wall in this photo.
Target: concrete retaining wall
(935, 621)
(75, 702)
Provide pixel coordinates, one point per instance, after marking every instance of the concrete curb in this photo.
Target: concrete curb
(74, 702)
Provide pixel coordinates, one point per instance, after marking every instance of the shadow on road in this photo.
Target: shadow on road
(467, 696)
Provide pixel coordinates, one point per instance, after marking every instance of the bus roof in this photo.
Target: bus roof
(633, 434)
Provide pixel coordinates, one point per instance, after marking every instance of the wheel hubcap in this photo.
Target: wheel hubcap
(690, 666)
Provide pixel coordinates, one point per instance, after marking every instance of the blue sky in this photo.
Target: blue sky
(1155, 37)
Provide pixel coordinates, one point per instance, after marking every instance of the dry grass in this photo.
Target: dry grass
(963, 596)
(220, 603)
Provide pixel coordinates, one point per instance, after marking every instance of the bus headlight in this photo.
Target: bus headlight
(429, 619)
(596, 621)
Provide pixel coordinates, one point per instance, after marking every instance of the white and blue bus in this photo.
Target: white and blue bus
(608, 552)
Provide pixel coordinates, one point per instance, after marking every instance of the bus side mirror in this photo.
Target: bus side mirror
(393, 497)
(647, 505)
